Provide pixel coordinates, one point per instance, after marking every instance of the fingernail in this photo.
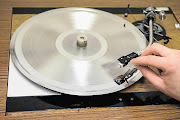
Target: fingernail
(131, 62)
(137, 66)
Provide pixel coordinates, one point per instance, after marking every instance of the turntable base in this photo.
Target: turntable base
(142, 88)
(163, 111)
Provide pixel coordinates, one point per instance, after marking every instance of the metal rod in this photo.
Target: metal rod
(151, 37)
(156, 40)
(150, 32)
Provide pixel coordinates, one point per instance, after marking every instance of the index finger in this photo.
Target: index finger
(151, 60)
(156, 49)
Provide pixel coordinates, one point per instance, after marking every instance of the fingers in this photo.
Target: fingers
(152, 77)
(156, 49)
(151, 60)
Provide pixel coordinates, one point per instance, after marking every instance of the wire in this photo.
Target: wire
(131, 12)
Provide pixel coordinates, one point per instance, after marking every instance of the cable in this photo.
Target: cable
(131, 12)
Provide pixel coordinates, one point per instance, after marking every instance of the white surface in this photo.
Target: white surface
(177, 26)
(18, 85)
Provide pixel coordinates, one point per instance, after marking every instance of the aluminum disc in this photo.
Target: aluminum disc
(46, 50)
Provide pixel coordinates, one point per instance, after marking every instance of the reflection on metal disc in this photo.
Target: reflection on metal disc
(75, 50)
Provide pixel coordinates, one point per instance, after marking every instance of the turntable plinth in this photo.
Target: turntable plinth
(137, 112)
(143, 85)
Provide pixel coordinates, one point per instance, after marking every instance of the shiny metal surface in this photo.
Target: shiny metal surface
(150, 32)
(45, 50)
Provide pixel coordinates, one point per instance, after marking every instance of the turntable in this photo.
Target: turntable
(80, 51)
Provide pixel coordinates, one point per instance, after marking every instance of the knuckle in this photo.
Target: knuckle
(171, 66)
(155, 45)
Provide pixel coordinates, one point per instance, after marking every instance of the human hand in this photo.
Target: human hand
(166, 59)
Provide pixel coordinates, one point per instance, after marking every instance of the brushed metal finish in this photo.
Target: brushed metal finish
(44, 49)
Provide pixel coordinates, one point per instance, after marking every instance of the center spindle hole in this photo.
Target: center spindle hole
(82, 37)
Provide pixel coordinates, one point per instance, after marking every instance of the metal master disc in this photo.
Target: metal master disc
(76, 50)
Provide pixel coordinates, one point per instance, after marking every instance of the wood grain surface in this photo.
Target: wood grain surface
(114, 113)
(135, 112)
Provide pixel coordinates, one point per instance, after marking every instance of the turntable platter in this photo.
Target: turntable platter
(75, 50)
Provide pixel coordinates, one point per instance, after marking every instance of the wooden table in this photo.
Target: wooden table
(135, 112)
